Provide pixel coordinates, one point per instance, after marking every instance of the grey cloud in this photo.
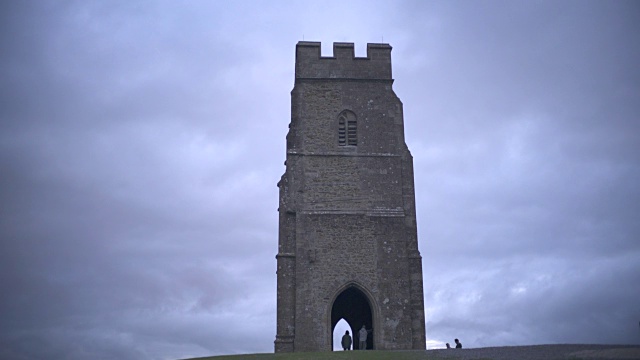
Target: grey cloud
(140, 145)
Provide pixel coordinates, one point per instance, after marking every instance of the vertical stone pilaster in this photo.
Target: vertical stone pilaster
(418, 336)
(286, 303)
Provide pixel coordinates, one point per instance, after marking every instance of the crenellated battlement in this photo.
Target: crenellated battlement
(310, 64)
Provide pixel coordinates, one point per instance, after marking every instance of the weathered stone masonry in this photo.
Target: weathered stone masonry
(348, 243)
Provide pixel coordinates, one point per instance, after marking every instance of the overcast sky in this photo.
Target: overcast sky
(141, 144)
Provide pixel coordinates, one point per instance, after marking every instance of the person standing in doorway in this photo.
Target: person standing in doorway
(362, 334)
(346, 341)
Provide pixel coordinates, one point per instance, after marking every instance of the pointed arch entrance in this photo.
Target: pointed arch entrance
(353, 305)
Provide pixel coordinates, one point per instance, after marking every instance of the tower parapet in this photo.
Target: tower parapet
(310, 64)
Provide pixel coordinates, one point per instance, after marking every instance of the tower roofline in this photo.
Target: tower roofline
(372, 48)
(343, 64)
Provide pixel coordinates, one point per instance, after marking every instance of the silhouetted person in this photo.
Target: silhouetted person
(448, 346)
(363, 338)
(458, 344)
(346, 341)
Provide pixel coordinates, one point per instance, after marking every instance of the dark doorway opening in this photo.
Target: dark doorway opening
(353, 306)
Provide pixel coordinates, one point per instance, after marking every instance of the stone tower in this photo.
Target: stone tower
(348, 246)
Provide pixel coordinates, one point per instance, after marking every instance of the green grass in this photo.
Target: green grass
(334, 355)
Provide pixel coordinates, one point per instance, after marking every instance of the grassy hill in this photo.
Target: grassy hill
(533, 352)
(335, 355)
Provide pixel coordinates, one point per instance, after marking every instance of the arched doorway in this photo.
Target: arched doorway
(353, 306)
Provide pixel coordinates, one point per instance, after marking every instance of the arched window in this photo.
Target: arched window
(347, 129)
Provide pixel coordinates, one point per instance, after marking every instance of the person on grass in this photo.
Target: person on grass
(346, 341)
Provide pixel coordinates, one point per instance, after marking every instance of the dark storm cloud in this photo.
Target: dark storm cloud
(140, 144)
(531, 122)
(113, 231)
